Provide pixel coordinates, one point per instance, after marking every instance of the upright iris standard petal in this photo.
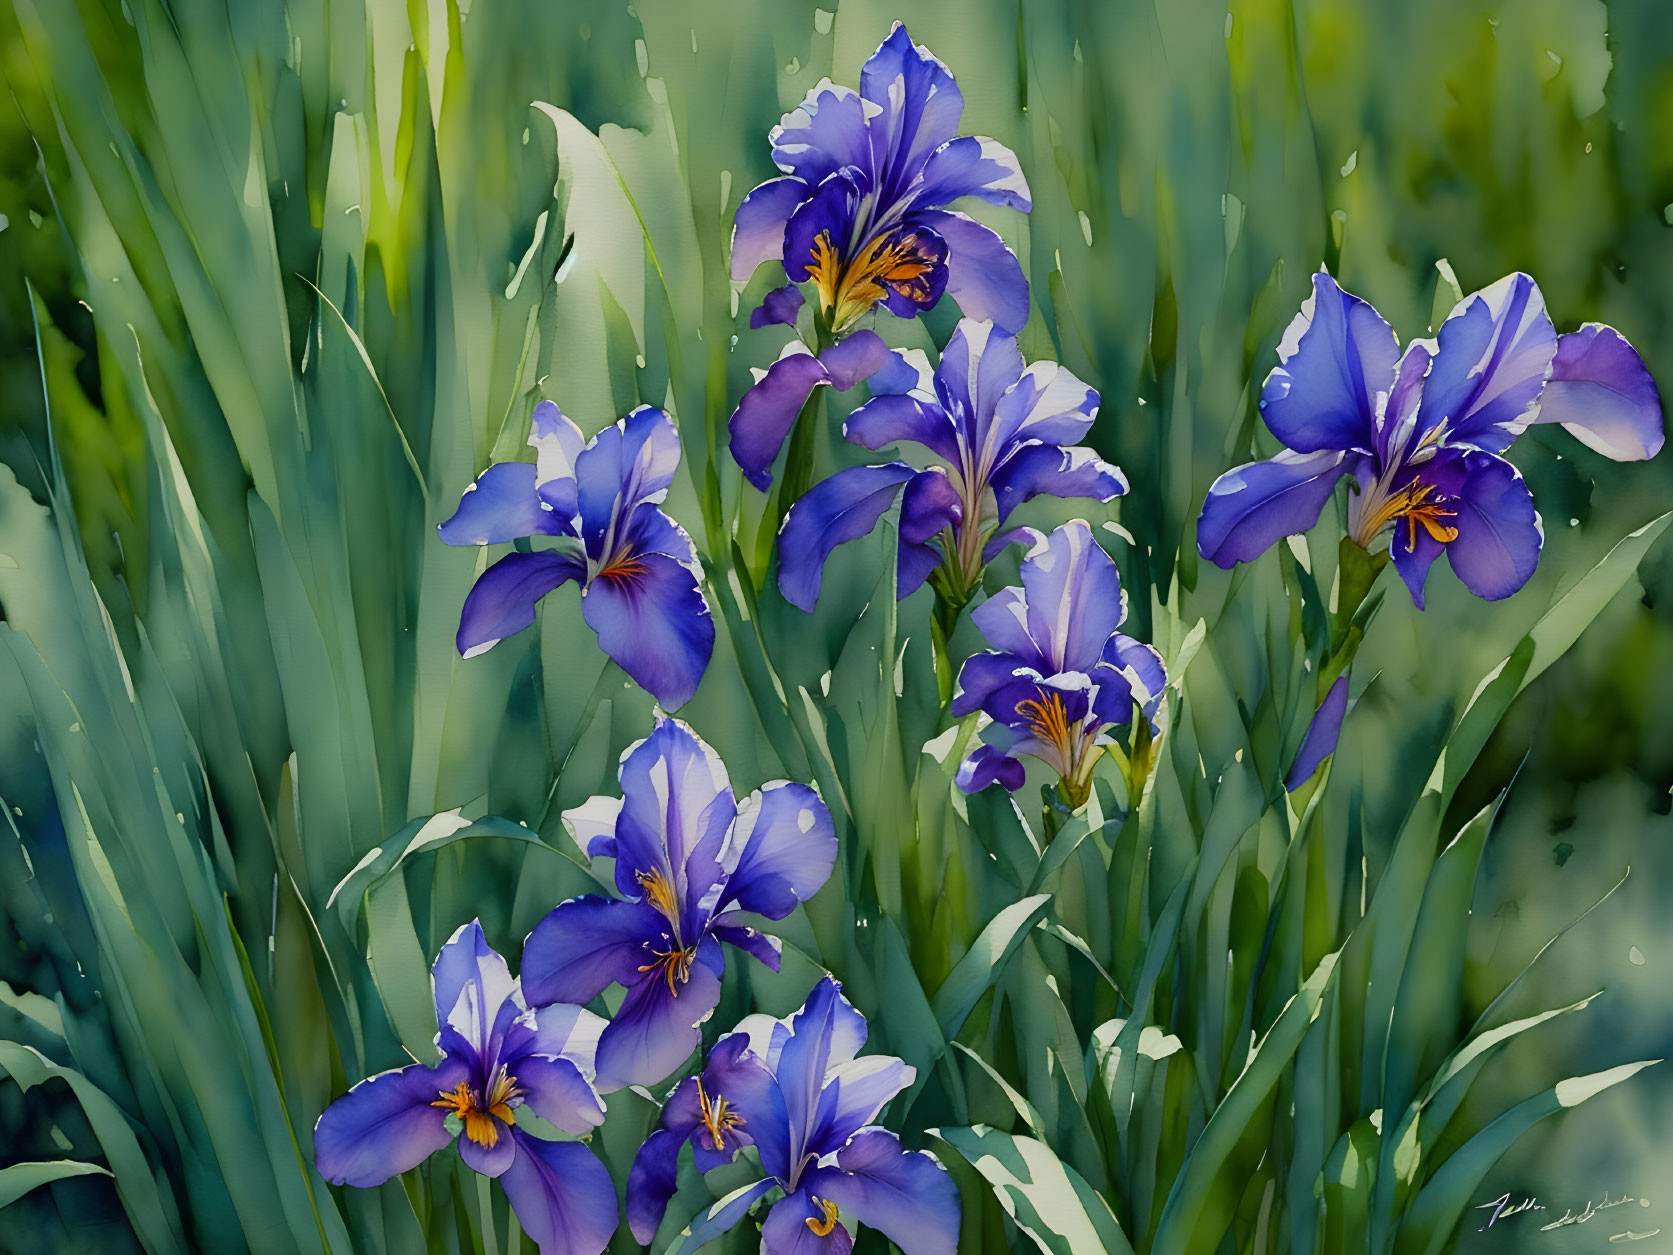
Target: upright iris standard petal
(1251, 508)
(472, 984)
(1602, 393)
(919, 107)
(687, 859)
(825, 133)
(558, 444)
(837, 510)
(625, 465)
(973, 165)
(501, 602)
(1494, 353)
(563, 1196)
(786, 849)
(1074, 597)
(1336, 358)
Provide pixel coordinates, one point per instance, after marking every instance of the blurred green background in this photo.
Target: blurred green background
(1190, 166)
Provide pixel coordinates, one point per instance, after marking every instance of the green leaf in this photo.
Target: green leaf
(981, 966)
(19, 1179)
(1049, 1200)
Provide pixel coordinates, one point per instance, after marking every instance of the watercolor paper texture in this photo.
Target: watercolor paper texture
(942, 627)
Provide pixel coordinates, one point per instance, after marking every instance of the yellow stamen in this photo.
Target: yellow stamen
(822, 1226)
(674, 964)
(1047, 720)
(1416, 505)
(717, 1118)
(482, 1121)
(882, 265)
(660, 894)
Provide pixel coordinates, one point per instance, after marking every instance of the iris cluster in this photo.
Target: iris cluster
(859, 219)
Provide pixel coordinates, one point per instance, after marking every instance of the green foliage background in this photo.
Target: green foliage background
(296, 272)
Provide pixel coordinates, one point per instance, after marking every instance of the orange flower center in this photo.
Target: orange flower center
(886, 263)
(482, 1116)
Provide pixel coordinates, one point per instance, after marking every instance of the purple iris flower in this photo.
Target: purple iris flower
(1420, 433)
(861, 214)
(794, 1089)
(1060, 673)
(997, 434)
(691, 860)
(501, 1060)
(639, 576)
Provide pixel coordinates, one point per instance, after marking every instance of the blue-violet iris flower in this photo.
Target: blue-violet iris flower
(795, 1089)
(861, 214)
(1420, 434)
(1060, 674)
(500, 1057)
(690, 861)
(996, 434)
(639, 576)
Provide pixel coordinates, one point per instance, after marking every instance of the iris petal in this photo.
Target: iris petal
(973, 165)
(562, 1194)
(1601, 391)
(758, 226)
(556, 1091)
(1252, 507)
(386, 1124)
(501, 602)
(983, 274)
(583, 946)
(502, 506)
(1335, 358)
(656, 1029)
(797, 1225)
(920, 107)
(472, 982)
(904, 1194)
(1494, 352)
(823, 134)
(786, 846)
(767, 412)
(654, 621)
(837, 510)
(1047, 470)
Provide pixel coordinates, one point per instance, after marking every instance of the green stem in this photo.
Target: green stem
(485, 1209)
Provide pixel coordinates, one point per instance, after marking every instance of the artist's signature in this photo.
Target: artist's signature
(1504, 1208)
